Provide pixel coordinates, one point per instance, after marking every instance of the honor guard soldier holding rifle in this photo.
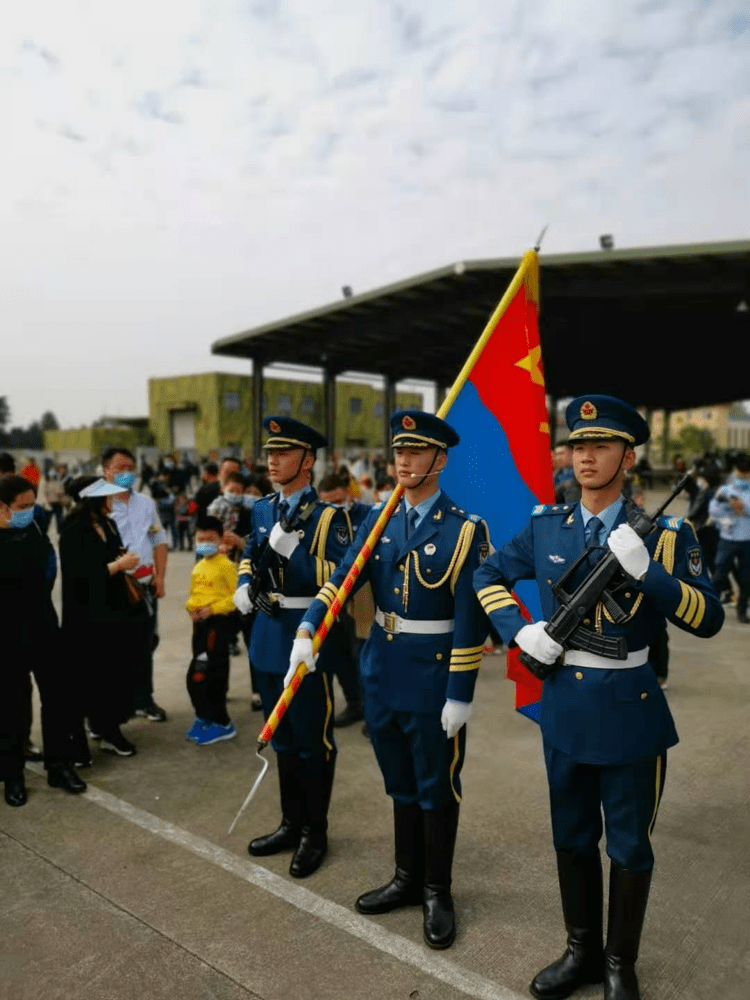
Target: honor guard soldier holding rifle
(294, 545)
(418, 667)
(605, 721)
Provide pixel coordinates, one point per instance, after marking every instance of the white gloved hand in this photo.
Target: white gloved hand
(283, 542)
(533, 640)
(242, 599)
(455, 714)
(302, 652)
(630, 551)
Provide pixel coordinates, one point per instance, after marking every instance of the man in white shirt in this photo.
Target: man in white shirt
(141, 532)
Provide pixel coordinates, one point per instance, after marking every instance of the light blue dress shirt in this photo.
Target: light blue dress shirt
(608, 517)
(423, 508)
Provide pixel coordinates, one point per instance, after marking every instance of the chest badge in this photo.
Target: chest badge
(262, 529)
(342, 534)
(556, 559)
(385, 540)
(430, 550)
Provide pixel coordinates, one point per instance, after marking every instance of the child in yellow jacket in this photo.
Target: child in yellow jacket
(211, 608)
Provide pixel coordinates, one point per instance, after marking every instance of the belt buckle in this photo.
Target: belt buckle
(390, 622)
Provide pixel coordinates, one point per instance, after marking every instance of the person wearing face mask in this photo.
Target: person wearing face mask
(141, 532)
(212, 612)
(384, 490)
(99, 614)
(730, 509)
(228, 508)
(30, 631)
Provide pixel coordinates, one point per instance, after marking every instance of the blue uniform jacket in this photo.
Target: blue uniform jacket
(427, 577)
(595, 715)
(325, 539)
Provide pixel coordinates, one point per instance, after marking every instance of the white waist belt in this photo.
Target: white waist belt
(294, 603)
(393, 624)
(580, 658)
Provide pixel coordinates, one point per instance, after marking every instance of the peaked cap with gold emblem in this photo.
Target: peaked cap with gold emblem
(285, 432)
(417, 429)
(605, 418)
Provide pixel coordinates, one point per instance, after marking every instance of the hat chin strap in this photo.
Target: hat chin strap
(429, 471)
(617, 471)
(286, 482)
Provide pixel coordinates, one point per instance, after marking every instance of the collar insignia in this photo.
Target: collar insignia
(437, 516)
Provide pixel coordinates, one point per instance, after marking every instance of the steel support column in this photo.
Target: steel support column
(257, 417)
(389, 406)
(329, 411)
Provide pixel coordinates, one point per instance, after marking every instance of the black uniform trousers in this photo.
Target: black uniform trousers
(208, 673)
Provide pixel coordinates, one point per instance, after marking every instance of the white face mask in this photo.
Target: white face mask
(232, 497)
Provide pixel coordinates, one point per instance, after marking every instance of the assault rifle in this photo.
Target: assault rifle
(565, 625)
(264, 580)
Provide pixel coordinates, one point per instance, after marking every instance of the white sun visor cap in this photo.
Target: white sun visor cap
(101, 488)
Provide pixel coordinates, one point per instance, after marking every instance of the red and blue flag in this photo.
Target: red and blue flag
(502, 467)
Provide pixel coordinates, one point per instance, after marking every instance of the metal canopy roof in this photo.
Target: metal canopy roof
(659, 326)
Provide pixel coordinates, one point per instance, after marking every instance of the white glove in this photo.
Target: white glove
(302, 652)
(455, 714)
(283, 542)
(242, 599)
(630, 551)
(534, 640)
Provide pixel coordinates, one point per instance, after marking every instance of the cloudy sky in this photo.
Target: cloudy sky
(174, 171)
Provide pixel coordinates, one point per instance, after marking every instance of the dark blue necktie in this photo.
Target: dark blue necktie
(411, 521)
(593, 528)
(283, 510)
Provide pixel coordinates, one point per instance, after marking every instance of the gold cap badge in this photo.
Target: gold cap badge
(589, 411)
(273, 426)
(409, 423)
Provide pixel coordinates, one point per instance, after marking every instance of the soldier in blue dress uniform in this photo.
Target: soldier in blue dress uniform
(605, 723)
(305, 555)
(419, 666)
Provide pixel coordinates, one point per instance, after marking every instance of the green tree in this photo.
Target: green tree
(49, 422)
(4, 419)
(691, 441)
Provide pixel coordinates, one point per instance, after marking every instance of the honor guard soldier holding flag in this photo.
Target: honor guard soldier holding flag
(605, 721)
(294, 545)
(418, 667)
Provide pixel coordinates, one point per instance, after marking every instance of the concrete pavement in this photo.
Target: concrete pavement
(135, 890)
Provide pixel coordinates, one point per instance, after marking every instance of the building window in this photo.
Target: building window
(378, 410)
(231, 401)
(355, 405)
(307, 405)
(284, 405)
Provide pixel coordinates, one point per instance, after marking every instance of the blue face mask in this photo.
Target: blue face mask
(21, 518)
(206, 549)
(248, 500)
(740, 484)
(232, 497)
(125, 479)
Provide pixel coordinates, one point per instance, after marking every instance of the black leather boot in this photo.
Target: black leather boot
(317, 780)
(405, 888)
(63, 776)
(440, 828)
(580, 877)
(628, 898)
(286, 837)
(15, 791)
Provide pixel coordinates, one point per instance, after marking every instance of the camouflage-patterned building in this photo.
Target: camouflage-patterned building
(215, 410)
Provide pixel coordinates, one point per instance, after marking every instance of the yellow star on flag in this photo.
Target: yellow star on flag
(530, 364)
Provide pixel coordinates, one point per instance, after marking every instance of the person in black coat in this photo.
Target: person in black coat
(103, 615)
(30, 644)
